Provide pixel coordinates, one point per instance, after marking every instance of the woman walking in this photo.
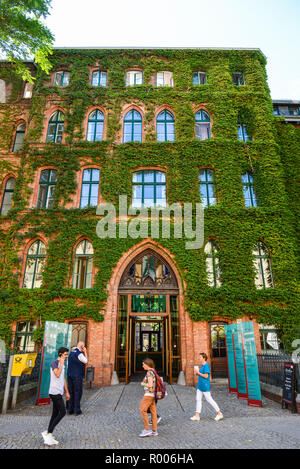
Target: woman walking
(148, 401)
(203, 388)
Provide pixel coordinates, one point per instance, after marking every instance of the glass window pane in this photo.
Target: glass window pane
(95, 78)
(87, 175)
(149, 192)
(103, 79)
(148, 176)
(95, 175)
(90, 131)
(6, 203)
(137, 132)
(99, 132)
(137, 176)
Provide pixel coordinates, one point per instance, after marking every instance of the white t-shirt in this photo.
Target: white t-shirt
(57, 385)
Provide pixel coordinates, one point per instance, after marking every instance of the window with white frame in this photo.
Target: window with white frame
(134, 77)
(62, 78)
(99, 78)
(213, 271)
(83, 265)
(36, 258)
(202, 125)
(262, 266)
(164, 79)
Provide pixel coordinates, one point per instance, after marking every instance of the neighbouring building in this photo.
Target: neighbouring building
(161, 126)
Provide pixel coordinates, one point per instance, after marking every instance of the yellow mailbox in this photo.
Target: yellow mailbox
(23, 364)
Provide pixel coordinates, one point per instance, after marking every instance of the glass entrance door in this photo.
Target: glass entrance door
(149, 342)
(148, 326)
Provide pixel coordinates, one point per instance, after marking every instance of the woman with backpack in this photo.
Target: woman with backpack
(148, 401)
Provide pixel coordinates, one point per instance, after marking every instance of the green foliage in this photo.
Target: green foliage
(270, 156)
(23, 34)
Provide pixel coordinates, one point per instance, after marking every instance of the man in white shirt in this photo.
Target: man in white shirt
(77, 359)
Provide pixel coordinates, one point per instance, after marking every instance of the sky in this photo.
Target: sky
(270, 25)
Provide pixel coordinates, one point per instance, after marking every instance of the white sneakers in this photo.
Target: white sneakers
(217, 418)
(49, 439)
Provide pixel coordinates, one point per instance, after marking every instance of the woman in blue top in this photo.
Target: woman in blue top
(203, 388)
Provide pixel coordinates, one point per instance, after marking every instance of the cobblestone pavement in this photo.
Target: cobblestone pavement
(111, 419)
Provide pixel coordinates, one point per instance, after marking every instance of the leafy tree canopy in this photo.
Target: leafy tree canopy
(23, 34)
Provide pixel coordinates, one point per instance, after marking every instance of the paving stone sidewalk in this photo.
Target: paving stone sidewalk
(111, 420)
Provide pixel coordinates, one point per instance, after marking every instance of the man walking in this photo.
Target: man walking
(56, 390)
(77, 359)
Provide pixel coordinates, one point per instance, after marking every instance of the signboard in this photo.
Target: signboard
(289, 386)
(252, 373)
(232, 380)
(56, 335)
(243, 374)
(240, 361)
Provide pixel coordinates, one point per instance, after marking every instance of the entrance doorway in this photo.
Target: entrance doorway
(148, 319)
(218, 351)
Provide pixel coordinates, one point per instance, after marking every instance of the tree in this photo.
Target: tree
(23, 35)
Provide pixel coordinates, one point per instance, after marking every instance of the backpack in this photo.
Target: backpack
(160, 387)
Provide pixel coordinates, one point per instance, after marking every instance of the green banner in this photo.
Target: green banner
(56, 335)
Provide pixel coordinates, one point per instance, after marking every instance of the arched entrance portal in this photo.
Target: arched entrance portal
(148, 318)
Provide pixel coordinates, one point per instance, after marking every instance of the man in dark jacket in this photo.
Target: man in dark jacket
(77, 360)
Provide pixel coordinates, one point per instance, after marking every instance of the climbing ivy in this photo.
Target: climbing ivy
(270, 155)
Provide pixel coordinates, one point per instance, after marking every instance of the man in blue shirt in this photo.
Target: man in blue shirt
(203, 388)
(77, 360)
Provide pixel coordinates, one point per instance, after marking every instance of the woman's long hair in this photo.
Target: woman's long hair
(149, 362)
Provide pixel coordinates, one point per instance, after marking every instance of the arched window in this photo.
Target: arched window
(206, 183)
(56, 127)
(95, 126)
(132, 127)
(165, 127)
(248, 190)
(62, 78)
(35, 262)
(99, 78)
(213, 271)
(89, 187)
(83, 265)
(202, 125)
(149, 189)
(46, 188)
(19, 137)
(8, 195)
(262, 266)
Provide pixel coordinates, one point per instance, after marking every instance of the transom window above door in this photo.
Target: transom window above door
(147, 271)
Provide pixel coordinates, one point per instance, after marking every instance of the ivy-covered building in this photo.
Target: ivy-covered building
(161, 126)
